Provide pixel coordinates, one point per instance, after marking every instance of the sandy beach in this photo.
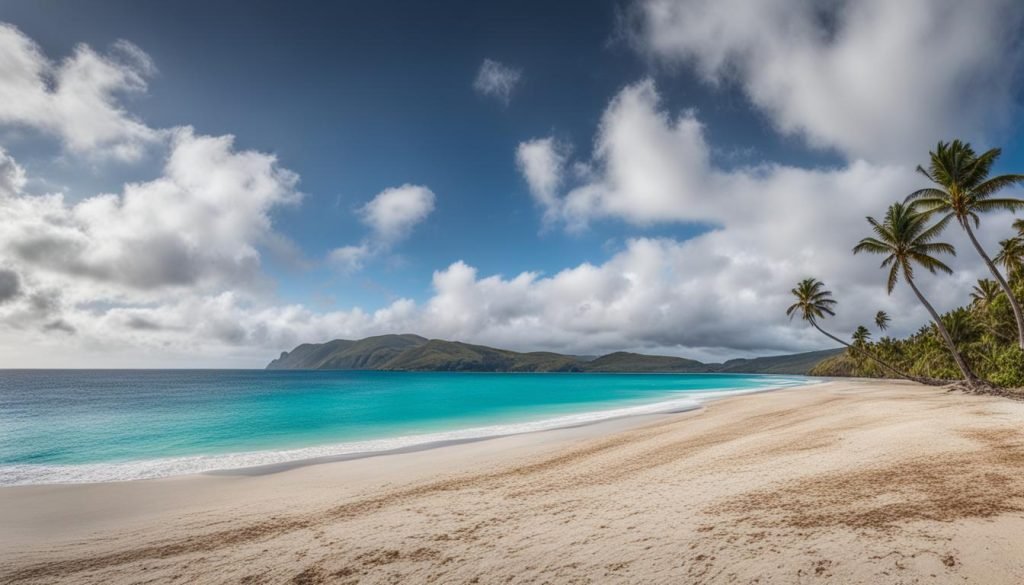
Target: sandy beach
(842, 482)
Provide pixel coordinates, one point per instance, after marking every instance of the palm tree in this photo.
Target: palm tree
(905, 240)
(814, 303)
(962, 327)
(1019, 226)
(964, 190)
(983, 296)
(1011, 257)
(882, 320)
(985, 293)
(861, 336)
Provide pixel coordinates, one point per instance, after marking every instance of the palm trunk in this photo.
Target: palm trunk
(964, 368)
(870, 356)
(1017, 314)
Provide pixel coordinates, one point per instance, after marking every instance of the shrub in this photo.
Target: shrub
(1008, 370)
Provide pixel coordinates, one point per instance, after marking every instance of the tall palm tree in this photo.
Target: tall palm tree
(882, 320)
(1011, 257)
(963, 190)
(985, 293)
(813, 302)
(1019, 226)
(906, 240)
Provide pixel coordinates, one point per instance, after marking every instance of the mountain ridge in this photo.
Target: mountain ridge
(409, 352)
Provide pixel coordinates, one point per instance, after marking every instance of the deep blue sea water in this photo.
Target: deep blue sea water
(100, 425)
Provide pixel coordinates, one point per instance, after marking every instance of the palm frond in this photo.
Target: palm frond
(1001, 204)
(934, 231)
(986, 188)
(907, 240)
(937, 248)
(928, 193)
(980, 167)
(894, 275)
(872, 246)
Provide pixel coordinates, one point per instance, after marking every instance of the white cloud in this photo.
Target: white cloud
(77, 99)
(391, 215)
(198, 226)
(769, 226)
(652, 168)
(542, 163)
(497, 80)
(168, 271)
(351, 258)
(875, 79)
(12, 176)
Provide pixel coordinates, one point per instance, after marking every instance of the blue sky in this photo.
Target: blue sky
(357, 98)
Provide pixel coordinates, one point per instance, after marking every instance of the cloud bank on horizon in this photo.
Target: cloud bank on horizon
(172, 267)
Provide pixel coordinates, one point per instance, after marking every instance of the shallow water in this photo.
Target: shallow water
(99, 425)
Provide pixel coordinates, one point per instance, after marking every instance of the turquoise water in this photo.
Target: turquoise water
(92, 425)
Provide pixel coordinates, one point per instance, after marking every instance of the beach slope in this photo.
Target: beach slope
(843, 482)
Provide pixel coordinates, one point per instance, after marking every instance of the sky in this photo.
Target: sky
(191, 184)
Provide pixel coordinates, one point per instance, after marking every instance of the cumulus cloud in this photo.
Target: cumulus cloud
(12, 176)
(199, 225)
(75, 100)
(168, 271)
(497, 80)
(394, 212)
(874, 79)
(542, 163)
(146, 270)
(391, 215)
(767, 226)
(650, 167)
(98, 268)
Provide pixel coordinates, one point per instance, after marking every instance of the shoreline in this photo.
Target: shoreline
(263, 462)
(843, 481)
(641, 418)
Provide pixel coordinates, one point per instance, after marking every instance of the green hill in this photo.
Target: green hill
(342, 354)
(415, 353)
(622, 361)
(439, 355)
(794, 364)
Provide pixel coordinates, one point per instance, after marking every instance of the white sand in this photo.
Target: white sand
(847, 482)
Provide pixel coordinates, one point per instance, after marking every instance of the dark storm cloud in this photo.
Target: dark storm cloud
(10, 285)
(60, 325)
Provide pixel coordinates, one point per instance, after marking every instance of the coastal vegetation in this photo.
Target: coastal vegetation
(980, 343)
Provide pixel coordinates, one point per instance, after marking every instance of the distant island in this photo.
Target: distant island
(409, 352)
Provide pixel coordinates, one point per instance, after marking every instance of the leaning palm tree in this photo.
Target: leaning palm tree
(882, 320)
(1011, 257)
(963, 190)
(906, 240)
(985, 293)
(813, 302)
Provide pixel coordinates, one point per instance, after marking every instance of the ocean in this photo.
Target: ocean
(74, 426)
